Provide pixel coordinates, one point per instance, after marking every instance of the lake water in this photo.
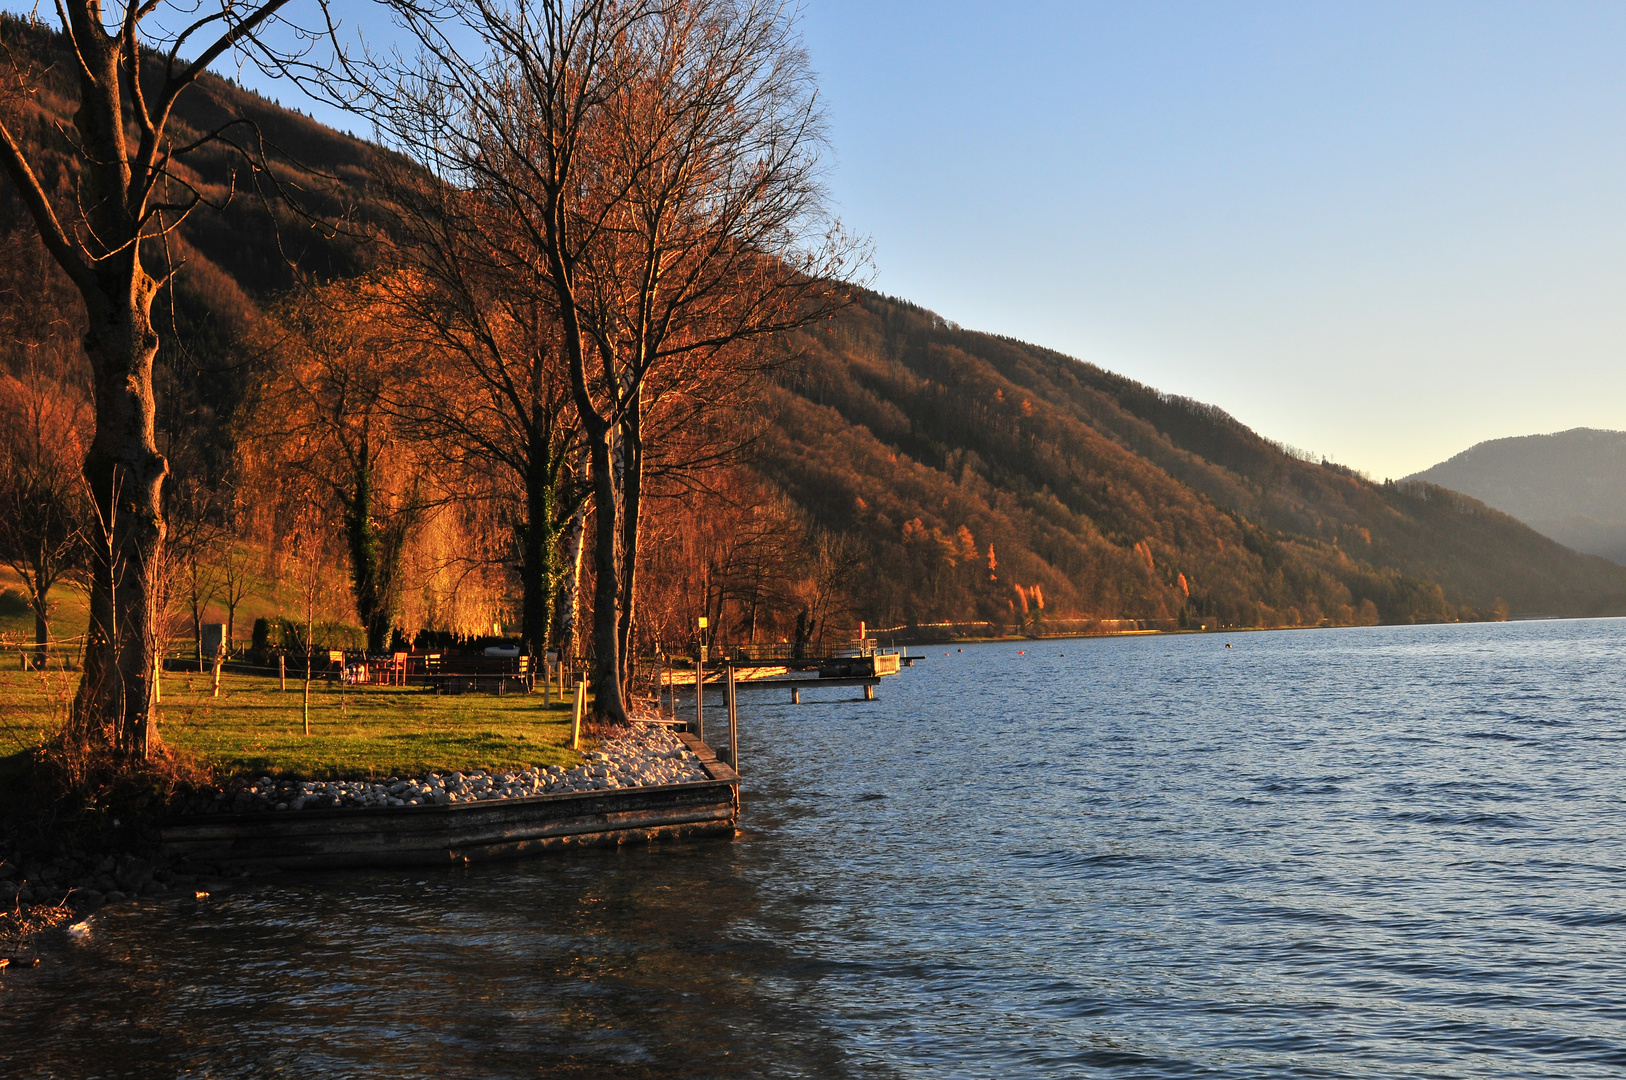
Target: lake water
(1339, 853)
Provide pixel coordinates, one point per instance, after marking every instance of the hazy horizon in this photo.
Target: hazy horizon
(1381, 232)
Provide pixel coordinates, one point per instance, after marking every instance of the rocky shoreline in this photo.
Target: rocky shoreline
(646, 755)
(72, 882)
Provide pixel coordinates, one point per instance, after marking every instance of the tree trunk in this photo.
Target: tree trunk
(361, 532)
(632, 490)
(42, 634)
(538, 537)
(568, 589)
(608, 701)
(126, 474)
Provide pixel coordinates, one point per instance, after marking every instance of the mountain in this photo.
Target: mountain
(231, 257)
(902, 430)
(1570, 486)
(946, 476)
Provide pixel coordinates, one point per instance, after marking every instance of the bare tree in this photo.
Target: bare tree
(651, 170)
(308, 548)
(129, 195)
(237, 582)
(495, 401)
(42, 511)
(191, 577)
(199, 584)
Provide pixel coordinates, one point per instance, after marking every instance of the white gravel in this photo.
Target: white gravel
(648, 755)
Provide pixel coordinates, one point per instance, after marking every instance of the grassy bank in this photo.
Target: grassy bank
(253, 728)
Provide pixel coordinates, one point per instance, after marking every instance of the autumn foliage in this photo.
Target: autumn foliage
(462, 424)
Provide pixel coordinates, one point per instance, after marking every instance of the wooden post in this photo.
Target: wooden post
(547, 683)
(733, 726)
(576, 715)
(282, 673)
(699, 700)
(869, 691)
(796, 695)
(218, 661)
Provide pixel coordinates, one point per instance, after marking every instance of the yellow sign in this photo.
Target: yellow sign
(704, 622)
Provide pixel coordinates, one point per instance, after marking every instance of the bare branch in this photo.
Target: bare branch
(56, 239)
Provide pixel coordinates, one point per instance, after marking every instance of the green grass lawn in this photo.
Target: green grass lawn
(254, 729)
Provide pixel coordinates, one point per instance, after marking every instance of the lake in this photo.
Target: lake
(1336, 853)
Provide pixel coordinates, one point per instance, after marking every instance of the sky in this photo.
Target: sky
(1377, 232)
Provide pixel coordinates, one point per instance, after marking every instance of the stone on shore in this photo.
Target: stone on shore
(645, 755)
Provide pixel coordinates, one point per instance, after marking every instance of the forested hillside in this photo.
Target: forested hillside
(297, 206)
(931, 443)
(907, 472)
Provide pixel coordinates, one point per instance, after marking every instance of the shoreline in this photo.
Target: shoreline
(894, 641)
(642, 785)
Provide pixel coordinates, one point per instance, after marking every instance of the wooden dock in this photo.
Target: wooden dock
(865, 670)
(485, 829)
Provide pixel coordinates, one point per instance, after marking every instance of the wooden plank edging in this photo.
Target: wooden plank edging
(465, 831)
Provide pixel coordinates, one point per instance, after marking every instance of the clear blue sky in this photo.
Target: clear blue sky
(1382, 232)
(1378, 231)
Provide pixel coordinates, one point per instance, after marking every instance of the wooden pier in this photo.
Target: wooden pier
(866, 670)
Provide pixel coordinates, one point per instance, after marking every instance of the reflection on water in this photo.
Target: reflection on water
(1342, 853)
(643, 962)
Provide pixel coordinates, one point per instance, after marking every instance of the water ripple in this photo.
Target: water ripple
(1348, 853)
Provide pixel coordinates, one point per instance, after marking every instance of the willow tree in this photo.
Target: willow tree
(496, 401)
(323, 422)
(128, 192)
(651, 170)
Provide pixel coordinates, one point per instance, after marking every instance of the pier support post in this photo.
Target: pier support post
(869, 691)
(733, 726)
(699, 700)
(796, 695)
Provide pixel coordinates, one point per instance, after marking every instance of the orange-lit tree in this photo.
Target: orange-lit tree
(653, 167)
(495, 402)
(127, 193)
(323, 426)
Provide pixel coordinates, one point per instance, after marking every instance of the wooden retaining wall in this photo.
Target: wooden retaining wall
(478, 830)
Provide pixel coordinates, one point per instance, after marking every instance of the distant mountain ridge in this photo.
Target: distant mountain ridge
(1570, 485)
